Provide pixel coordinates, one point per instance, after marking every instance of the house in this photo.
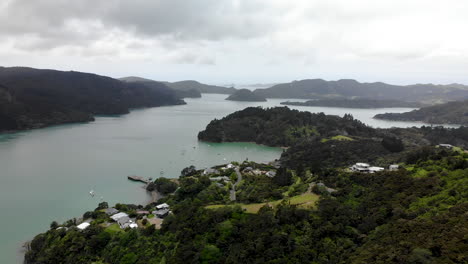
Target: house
(375, 169)
(117, 216)
(257, 172)
(210, 171)
(360, 167)
(143, 212)
(126, 222)
(394, 167)
(111, 211)
(83, 226)
(365, 168)
(162, 206)
(230, 166)
(271, 174)
(161, 212)
(220, 178)
(447, 146)
(247, 169)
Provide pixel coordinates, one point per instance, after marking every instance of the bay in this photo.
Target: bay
(46, 174)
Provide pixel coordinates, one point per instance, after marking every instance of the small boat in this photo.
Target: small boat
(91, 193)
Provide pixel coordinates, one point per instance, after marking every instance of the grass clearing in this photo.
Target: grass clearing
(337, 138)
(114, 228)
(306, 201)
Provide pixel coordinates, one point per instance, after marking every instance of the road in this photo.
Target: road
(232, 194)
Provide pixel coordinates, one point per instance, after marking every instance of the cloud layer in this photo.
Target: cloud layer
(241, 40)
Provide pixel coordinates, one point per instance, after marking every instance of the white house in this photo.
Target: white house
(366, 168)
(360, 167)
(230, 166)
(271, 174)
(447, 146)
(83, 226)
(162, 206)
(375, 169)
(394, 167)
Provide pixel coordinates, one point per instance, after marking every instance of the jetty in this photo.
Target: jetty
(138, 178)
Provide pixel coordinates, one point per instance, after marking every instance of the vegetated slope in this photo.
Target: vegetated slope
(355, 103)
(280, 126)
(245, 95)
(203, 88)
(182, 93)
(448, 113)
(33, 98)
(321, 89)
(413, 215)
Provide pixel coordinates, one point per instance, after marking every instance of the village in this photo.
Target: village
(228, 176)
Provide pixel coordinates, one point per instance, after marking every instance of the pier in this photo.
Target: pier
(138, 178)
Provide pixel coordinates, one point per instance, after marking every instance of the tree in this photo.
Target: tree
(283, 177)
(165, 186)
(188, 171)
(103, 205)
(54, 225)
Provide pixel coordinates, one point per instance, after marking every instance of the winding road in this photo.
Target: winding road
(232, 195)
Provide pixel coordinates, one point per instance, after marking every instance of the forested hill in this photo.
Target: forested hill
(416, 214)
(246, 96)
(202, 88)
(189, 92)
(355, 103)
(321, 89)
(449, 113)
(33, 98)
(281, 126)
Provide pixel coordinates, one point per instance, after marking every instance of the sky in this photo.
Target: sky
(241, 41)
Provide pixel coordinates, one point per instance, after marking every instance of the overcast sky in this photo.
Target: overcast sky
(241, 41)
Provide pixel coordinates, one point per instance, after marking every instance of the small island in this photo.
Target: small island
(355, 103)
(246, 96)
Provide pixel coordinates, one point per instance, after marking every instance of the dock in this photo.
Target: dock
(138, 178)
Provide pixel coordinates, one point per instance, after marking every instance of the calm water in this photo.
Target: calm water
(46, 174)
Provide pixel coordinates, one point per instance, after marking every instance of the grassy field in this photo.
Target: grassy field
(114, 228)
(338, 138)
(307, 200)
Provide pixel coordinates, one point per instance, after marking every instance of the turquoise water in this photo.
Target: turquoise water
(46, 174)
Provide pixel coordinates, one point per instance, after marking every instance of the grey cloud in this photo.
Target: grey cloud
(175, 20)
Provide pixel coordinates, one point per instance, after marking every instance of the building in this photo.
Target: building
(447, 146)
(210, 171)
(117, 216)
(365, 168)
(394, 167)
(162, 206)
(230, 166)
(271, 174)
(126, 222)
(375, 169)
(161, 212)
(111, 211)
(247, 169)
(220, 178)
(143, 212)
(360, 167)
(83, 226)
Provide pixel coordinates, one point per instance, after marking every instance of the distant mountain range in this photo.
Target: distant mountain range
(355, 103)
(186, 89)
(448, 113)
(321, 89)
(33, 98)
